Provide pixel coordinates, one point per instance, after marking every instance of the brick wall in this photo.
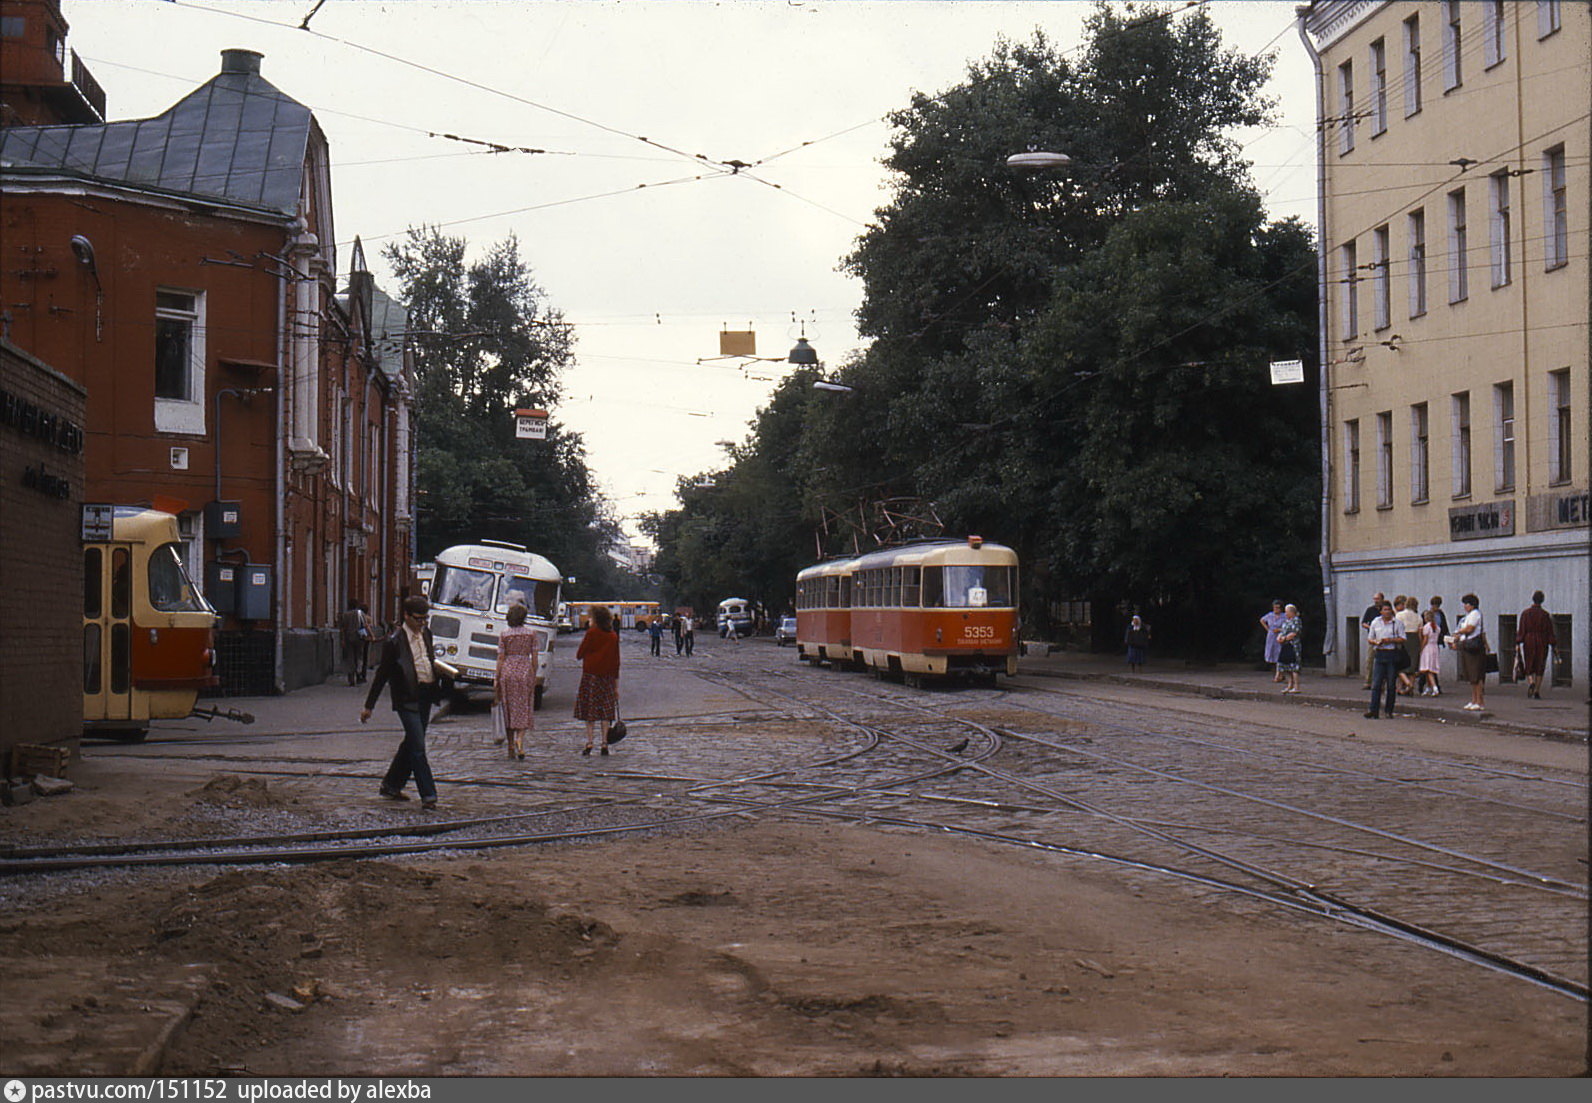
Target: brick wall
(41, 556)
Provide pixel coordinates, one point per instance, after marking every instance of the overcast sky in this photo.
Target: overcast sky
(646, 249)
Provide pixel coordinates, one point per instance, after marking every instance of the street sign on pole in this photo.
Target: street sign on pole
(97, 523)
(530, 424)
(1287, 371)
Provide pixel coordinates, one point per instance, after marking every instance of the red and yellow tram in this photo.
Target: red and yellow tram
(823, 612)
(946, 609)
(148, 633)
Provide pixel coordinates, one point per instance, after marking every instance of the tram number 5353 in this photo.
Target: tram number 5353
(978, 632)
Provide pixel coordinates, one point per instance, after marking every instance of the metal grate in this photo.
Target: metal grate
(245, 663)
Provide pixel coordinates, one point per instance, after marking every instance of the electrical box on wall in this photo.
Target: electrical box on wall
(221, 586)
(223, 520)
(254, 592)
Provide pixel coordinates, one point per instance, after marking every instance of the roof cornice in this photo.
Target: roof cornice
(1327, 21)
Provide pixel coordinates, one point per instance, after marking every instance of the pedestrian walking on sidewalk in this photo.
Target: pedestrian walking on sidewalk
(406, 666)
(597, 700)
(679, 633)
(1431, 655)
(1534, 636)
(1470, 640)
(1270, 622)
(688, 633)
(1387, 645)
(1138, 640)
(353, 632)
(1290, 634)
(655, 633)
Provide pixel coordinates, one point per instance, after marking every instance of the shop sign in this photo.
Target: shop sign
(1567, 509)
(1481, 521)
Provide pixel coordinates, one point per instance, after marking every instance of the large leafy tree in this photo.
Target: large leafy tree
(487, 342)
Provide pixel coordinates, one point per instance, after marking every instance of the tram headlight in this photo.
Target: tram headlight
(154, 636)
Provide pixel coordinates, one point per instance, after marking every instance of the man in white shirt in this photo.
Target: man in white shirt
(1386, 639)
(407, 665)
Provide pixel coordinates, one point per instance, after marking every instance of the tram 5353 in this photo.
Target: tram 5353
(940, 609)
(148, 632)
(471, 591)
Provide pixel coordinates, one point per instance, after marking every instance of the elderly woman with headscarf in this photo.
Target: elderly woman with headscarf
(1138, 640)
(1289, 634)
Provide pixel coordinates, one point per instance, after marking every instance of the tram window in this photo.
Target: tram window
(93, 584)
(121, 658)
(845, 592)
(170, 590)
(121, 583)
(910, 586)
(968, 587)
(91, 658)
(462, 587)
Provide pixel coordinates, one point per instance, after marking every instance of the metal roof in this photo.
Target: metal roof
(237, 137)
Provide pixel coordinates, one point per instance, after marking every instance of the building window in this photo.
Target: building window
(1378, 87)
(1549, 18)
(1420, 453)
(1381, 278)
(1555, 217)
(1462, 445)
(1559, 427)
(1504, 436)
(1494, 46)
(1346, 107)
(1351, 466)
(1498, 185)
(1384, 459)
(1412, 65)
(179, 361)
(1417, 232)
(1458, 248)
(1452, 40)
(13, 26)
(1351, 291)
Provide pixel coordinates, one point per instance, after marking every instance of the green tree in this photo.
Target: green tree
(486, 343)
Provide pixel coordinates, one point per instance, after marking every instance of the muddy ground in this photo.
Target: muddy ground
(775, 948)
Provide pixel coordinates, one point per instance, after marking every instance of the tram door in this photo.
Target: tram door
(107, 632)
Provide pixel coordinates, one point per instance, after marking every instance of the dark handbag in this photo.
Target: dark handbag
(617, 730)
(1288, 655)
(1490, 664)
(1401, 659)
(1476, 641)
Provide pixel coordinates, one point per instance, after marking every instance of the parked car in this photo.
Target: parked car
(786, 632)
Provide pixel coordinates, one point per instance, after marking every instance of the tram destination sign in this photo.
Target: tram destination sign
(97, 523)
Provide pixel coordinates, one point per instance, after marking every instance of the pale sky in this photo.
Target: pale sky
(648, 251)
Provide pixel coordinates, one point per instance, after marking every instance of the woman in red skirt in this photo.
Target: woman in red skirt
(598, 698)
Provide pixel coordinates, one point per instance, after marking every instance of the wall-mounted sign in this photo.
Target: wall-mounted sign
(1567, 509)
(1481, 521)
(35, 421)
(97, 523)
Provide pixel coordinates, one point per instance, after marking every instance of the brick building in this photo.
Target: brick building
(182, 268)
(41, 491)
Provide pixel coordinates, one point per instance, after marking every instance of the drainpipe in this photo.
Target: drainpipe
(284, 279)
(1329, 640)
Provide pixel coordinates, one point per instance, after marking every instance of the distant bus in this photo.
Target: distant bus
(627, 614)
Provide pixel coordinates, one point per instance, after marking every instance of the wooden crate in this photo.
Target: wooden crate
(28, 759)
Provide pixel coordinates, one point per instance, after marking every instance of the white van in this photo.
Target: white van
(735, 614)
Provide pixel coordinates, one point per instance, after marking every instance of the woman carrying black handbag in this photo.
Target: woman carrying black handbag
(1470, 641)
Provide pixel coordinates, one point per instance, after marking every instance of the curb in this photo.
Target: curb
(1417, 712)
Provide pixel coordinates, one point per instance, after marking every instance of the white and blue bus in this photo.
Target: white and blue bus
(471, 591)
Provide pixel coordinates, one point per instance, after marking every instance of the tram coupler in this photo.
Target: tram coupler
(224, 714)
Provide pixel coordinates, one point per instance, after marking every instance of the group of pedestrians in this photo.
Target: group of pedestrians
(684, 634)
(416, 681)
(1284, 643)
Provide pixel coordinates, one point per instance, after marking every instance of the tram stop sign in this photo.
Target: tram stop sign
(530, 424)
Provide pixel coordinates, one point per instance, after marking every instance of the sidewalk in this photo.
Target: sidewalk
(1561, 713)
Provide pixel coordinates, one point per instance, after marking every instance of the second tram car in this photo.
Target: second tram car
(823, 612)
(945, 609)
(471, 592)
(148, 632)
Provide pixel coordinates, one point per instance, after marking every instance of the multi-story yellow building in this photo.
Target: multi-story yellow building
(1454, 206)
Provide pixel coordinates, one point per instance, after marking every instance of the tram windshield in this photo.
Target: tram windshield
(540, 598)
(170, 588)
(967, 587)
(463, 587)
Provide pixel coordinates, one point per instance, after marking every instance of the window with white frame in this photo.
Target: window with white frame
(1381, 278)
(1453, 39)
(179, 361)
(1458, 248)
(1461, 415)
(1502, 229)
(1549, 17)
(1350, 283)
(1346, 107)
(1384, 459)
(1351, 466)
(1420, 453)
(1416, 227)
(1412, 65)
(1559, 426)
(1555, 209)
(1378, 87)
(1494, 45)
(1504, 436)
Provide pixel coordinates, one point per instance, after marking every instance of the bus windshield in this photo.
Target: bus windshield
(462, 587)
(540, 598)
(170, 588)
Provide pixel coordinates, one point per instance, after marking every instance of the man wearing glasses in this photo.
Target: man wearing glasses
(406, 663)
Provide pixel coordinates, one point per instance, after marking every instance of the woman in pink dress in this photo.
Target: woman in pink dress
(1431, 655)
(514, 687)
